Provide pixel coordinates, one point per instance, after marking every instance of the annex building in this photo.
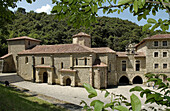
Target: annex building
(77, 63)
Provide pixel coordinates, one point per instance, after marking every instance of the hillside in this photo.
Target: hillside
(112, 32)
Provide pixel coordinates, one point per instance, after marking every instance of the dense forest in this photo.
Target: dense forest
(112, 32)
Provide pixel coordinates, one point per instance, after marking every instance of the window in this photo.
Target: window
(155, 54)
(137, 65)
(165, 66)
(164, 54)
(76, 61)
(164, 43)
(155, 43)
(26, 60)
(85, 61)
(62, 65)
(42, 60)
(156, 66)
(123, 65)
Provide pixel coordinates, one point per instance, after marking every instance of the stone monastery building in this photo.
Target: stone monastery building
(77, 63)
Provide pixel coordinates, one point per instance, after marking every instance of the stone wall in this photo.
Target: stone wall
(25, 69)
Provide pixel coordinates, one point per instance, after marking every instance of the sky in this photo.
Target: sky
(46, 6)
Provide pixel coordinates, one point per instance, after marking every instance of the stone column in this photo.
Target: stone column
(71, 62)
(106, 80)
(50, 76)
(91, 76)
(91, 70)
(37, 76)
(52, 60)
(73, 81)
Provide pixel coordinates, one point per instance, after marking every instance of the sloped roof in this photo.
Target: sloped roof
(5, 56)
(62, 48)
(23, 37)
(155, 37)
(103, 50)
(124, 54)
(81, 34)
(159, 36)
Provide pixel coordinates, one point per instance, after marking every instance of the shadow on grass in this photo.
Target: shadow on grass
(11, 78)
(12, 100)
(69, 106)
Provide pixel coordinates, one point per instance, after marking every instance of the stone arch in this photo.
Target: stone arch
(45, 77)
(124, 80)
(137, 80)
(67, 81)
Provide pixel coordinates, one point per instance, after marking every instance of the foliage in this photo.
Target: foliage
(12, 100)
(84, 12)
(117, 101)
(106, 33)
(162, 95)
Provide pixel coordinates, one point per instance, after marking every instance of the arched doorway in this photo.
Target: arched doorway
(68, 82)
(123, 80)
(137, 80)
(45, 77)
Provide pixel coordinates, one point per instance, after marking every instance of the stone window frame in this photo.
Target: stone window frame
(155, 65)
(62, 65)
(166, 53)
(166, 66)
(26, 60)
(77, 62)
(155, 53)
(85, 61)
(125, 62)
(42, 60)
(163, 43)
(154, 43)
(138, 62)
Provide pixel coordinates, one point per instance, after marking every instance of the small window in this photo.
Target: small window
(164, 66)
(85, 61)
(26, 60)
(76, 61)
(156, 66)
(137, 65)
(164, 54)
(164, 43)
(155, 54)
(62, 65)
(155, 43)
(123, 65)
(42, 60)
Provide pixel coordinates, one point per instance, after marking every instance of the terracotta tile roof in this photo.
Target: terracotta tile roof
(81, 34)
(7, 55)
(103, 50)
(124, 54)
(98, 63)
(62, 48)
(67, 70)
(159, 36)
(154, 37)
(43, 66)
(23, 37)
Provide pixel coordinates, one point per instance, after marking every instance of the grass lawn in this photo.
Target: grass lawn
(11, 100)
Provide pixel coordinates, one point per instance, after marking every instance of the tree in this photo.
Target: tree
(84, 12)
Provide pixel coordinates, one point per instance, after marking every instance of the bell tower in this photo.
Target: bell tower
(82, 39)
